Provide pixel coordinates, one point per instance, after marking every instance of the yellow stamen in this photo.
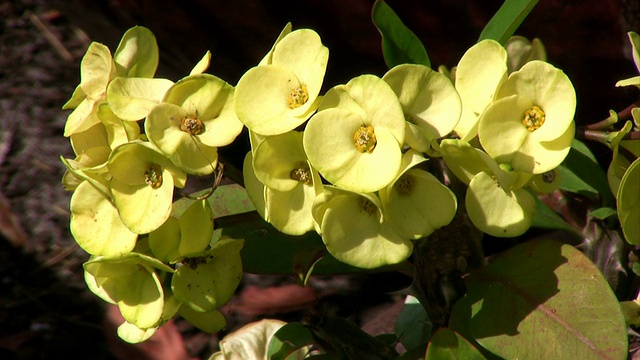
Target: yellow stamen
(192, 125)
(533, 118)
(153, 176)
(302, 174)
(365, 139)
(298, 97)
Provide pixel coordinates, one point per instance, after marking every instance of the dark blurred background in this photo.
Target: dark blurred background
(45, 309)
(585, 38)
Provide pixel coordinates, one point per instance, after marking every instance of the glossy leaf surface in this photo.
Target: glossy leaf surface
(399, 44)
(544, 299)
(507, 19)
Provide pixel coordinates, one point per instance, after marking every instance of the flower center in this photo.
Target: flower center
(405, 184)
(192, 125)
(533, 118)
(302, 173)
(409, 118)
(153, 176)
(365, 139)
(298, 97)
(549, 176)
(366, 205)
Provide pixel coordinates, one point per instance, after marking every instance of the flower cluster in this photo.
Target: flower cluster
(516, 128)
(350, 165)
(351, 174)
(136, 138)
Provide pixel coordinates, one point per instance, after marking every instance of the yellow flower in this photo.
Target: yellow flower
(355, 231)
(136, 56)
(495, 200)
(530, 124)
(282, 92)
(142, 185)
(416, 203)
(195, 117)
(354, 140)
(634, 38)
(429, 102)
(290, 183)
(480, 71)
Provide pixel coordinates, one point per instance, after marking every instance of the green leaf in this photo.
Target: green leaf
(226, 200)
(268, 251)
(636, 268)
(507, 19)
(602, 213)
(545, 218)
(459, 322)
(544, 300)
(399, 44)
(447, 344)
(582, 174)
(413, 326)
(629, 203)
(631, 310)
(288, 339)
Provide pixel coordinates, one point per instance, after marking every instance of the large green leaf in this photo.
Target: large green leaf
(582, 174)
(459, 322)
(507, 19)
(629, 203)
(399, 44)
(447, 344)
(543, 300)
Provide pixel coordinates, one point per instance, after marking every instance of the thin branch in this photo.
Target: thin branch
(622, 115)
(51, 38)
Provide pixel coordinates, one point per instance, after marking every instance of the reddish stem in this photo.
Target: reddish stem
(622, 115)
(593, 135)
